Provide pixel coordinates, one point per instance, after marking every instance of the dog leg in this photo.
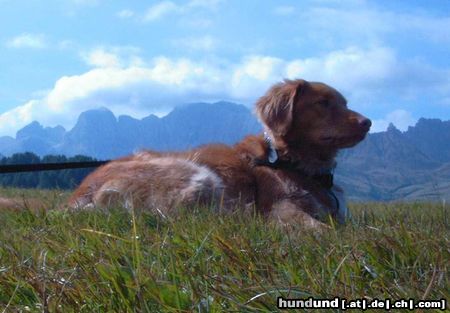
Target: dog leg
(287, 213)
(6, 203)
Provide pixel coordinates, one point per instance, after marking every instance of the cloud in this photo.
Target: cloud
(112, 56)
(361, 23)
(177, 76)
(18, 117)
(101, 58)
(353, 70)
(26, 40)
(166, 8)
(129, 90)
(370, 75)
(141, 87)
(160, 10)
(364, 75)
(402, 119)
(254, 75)
(125, 14)
(38, 41)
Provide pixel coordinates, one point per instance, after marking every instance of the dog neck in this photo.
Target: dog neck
(299, 158)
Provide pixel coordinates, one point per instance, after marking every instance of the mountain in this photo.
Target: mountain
(98, 133)
(33, 137)
(393, 165)
(432, 136)
(390, 165)
(94, 134)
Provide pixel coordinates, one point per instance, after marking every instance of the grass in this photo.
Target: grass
(117, 261)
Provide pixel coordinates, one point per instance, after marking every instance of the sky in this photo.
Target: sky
(58, 58)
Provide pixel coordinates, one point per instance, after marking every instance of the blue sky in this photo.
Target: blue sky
(391, 59)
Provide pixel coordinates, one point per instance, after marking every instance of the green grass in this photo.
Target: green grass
(115, 261)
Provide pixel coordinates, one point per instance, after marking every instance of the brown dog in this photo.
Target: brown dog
(285, 174)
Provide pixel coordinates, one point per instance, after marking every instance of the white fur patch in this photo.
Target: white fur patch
(202, 173)
(205, 173)
(203, 178)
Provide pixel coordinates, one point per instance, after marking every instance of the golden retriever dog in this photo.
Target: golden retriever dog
(286, 174)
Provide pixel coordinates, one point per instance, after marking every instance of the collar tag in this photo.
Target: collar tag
(273, 155)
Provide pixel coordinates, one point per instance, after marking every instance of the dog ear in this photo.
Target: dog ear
(275, 108)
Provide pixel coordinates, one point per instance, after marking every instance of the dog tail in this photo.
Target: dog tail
(21, 203)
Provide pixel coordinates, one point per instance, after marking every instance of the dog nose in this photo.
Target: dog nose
(365, 122)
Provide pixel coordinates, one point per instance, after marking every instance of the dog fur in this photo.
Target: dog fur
(306, 123)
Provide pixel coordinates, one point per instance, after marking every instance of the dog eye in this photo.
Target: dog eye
(324, 103)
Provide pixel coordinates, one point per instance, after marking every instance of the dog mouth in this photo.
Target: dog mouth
(343, 141)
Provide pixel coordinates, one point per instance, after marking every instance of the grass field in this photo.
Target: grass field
(117, 261)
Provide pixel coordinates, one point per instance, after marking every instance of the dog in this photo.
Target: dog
(286, 174)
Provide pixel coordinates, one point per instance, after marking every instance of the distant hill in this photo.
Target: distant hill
(34, 138)
(390, 165)
(98, 133)
(399, 165)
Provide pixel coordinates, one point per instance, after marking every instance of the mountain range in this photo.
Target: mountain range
(390, 165)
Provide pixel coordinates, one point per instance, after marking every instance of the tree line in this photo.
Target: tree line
(59, 179)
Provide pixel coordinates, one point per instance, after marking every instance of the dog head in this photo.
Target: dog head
(297, 112)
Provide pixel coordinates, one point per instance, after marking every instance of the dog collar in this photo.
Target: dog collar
(325, 176)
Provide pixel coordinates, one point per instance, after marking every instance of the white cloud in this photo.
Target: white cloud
(254, 75)
(259, 68)
(160, 10)
(358, 22)
(125, 14)
(38, 41)
(101, 58)
(127, 86)
(26, 40)
(352, 70)
(427, 27)
(166, 8)
(402, 119)
(113, 56)
(146, 89)
(18, 117)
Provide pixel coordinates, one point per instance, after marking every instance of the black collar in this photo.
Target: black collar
(324, 178)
